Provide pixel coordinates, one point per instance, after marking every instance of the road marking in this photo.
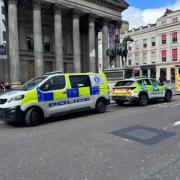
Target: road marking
(177, 123)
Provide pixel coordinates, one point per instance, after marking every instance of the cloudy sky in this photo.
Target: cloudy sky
(143, 12)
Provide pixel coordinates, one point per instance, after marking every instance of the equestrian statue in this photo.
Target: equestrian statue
(120, 49)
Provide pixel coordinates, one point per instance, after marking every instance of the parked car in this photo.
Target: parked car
(140, 90)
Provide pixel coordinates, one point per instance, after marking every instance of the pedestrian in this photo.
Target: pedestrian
(2, 86)
(161, 79)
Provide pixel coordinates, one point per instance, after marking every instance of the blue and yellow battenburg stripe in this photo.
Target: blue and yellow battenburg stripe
(71, 93)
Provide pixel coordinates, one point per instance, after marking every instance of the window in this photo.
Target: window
(155, 83)
(3, 11)
(153, 57)
(30, 42)
(144, 43)
(163, 55)
(79, 81)
(174, 54)
(124, 83)
(136, 45)
(144, 58)
(163, 22)
(163, 39)
(129, 62)
(137, 59)
(146, 82)
(47, 42)
(174, 20)
(55, 83)
(174, 37)
(129, 48)
(153, 41)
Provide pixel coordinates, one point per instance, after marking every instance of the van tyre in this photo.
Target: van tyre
(168, 96)
(143, 99)
(100, 106)
(119, 103)
(33, 117)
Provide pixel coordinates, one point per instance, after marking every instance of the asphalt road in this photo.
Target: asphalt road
(125, 143)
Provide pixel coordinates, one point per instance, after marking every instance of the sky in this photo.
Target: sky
(144, 12)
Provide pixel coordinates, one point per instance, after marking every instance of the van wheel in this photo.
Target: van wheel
(143, 99)
(33, 117)
(168, 96)
(100, 106)
(119, 103)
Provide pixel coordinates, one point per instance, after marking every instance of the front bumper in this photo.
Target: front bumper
(11, 115)
(125, 98)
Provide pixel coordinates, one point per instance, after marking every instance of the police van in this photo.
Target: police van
(53, 94)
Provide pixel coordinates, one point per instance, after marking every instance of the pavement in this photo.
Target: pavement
(126, 143)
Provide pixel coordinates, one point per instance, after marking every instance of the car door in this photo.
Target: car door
(53, 95)
(79, 95)
(148, 87)
(158, 89)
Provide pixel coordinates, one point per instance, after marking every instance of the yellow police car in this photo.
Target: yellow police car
(52, 94)
(141, 90)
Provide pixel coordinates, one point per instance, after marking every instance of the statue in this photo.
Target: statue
(120, 49)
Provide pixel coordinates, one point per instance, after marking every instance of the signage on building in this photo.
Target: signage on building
(112, 30)
(3, 48)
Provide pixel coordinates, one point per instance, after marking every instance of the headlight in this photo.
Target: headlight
(17, 98)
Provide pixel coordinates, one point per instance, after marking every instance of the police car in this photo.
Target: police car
(141, 90)
(53, 94)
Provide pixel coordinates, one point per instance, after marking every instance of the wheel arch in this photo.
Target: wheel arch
(36, 107)
(102, 98)
(143, 92)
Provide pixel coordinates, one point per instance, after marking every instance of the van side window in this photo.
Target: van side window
(79, 81)
(55, 83)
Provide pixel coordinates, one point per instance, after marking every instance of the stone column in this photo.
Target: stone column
(105, 62)
(38, 46)
(58, 38)
(149, 73)
(76, 42)
(97, 53)
(13, 43)
(168, 74)
(92, 52)
(157, 73)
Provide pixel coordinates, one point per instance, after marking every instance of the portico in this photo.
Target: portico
(45, 36)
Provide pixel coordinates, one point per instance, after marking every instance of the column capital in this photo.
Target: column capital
(76, 13)
(37, 4)
(106, 20)
(92, 17)
(59, 8)
(12, 2)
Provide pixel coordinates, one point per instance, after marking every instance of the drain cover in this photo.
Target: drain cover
(144, 135)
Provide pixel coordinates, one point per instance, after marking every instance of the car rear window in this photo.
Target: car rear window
(124, 83)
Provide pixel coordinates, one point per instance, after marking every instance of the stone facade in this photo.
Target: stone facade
(156, 48)
(47, 35)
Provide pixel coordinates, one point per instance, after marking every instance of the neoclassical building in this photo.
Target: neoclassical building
(62, 35)
(155, 51)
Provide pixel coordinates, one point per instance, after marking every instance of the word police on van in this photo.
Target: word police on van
(53, 94)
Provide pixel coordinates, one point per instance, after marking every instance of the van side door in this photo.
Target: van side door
(79, 95)
(53, 95)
